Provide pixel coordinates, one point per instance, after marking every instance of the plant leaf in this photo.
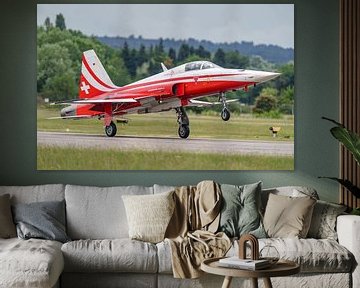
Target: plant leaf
(333, 121)
(349, 139)
(348, 185)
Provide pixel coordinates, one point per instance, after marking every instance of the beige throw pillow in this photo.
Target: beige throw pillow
(288, 217)
(149, 215)
(7, 226)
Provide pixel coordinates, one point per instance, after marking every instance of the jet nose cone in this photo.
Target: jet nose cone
(266, 76)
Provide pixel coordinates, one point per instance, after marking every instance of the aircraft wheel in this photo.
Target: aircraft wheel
(225, 114)
(111, 129)
(184, 131)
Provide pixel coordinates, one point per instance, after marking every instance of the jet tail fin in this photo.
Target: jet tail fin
(93, 80)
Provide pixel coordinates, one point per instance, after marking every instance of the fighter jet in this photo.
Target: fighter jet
(174, 88)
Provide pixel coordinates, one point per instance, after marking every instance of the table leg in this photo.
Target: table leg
(254, 282)
(267, 283)
(227, 282)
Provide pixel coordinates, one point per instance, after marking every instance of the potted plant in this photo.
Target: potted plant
(351, 141)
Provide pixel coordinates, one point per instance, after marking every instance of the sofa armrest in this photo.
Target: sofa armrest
(348, 230)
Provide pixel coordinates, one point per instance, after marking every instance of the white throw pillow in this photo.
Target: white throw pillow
(149, 215)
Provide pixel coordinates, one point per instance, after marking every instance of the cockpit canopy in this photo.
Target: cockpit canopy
(200, 65)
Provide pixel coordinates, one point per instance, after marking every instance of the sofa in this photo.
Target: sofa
(100, 253)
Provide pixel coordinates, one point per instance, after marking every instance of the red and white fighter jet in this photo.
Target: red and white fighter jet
(173, 88)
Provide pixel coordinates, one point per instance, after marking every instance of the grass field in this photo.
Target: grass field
(57, 158)
(244, 127)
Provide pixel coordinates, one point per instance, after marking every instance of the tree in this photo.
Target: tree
(266, 102)
(286, 100)
(161, 46)
(184, 52)
(202, 53)
(56, 78)
(233, 59)
(172, 54)
(256, 62)
(115, 67)
(219, 57)
(142, 56)
(129, 58)
(287, 76)
(60, 22)
(268, 91)
(132, 63)
(47, 23)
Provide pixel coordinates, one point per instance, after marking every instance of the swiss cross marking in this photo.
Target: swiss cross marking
(85, 87)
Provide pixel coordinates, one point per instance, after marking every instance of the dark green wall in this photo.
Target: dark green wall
(317, 74)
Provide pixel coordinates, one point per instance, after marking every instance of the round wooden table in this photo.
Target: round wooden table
(281, 268)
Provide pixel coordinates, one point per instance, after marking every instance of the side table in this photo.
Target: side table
(281, 268)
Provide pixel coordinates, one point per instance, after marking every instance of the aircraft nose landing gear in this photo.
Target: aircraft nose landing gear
(183, 121)
(225, 113)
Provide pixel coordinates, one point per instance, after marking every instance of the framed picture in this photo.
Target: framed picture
(165, 87)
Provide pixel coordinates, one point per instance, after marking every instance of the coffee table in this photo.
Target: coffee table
(281, 268)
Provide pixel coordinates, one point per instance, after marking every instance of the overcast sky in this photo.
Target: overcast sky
(260, 23)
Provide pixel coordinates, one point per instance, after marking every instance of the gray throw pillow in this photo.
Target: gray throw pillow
(7, 227)
(44, 220)
(240, 213)
(323, 222)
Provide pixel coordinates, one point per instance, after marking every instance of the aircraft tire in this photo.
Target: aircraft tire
(225, 114)
(184, 131)
(111, 130)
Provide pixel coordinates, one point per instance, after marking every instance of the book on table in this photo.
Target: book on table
(249, 264)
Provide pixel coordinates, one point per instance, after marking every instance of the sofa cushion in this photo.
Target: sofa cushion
(34, 193)
(43, 220)
(291, 191)
(30, 263)
(98, 213)
(149, 215)
(117, 255)
(240, 210)
(7, 226)
(287, 216)
(109, 280)
(163, 188)
(314, 255)
(323, 222)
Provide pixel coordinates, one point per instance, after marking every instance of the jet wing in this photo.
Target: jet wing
(73, 117)
(199, 103)
(98, 101)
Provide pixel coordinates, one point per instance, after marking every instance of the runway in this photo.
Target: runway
(166, 144)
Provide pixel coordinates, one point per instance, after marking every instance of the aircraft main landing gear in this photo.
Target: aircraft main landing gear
(184, 131)
(183, 121)
(225, 113)
(111, 130)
